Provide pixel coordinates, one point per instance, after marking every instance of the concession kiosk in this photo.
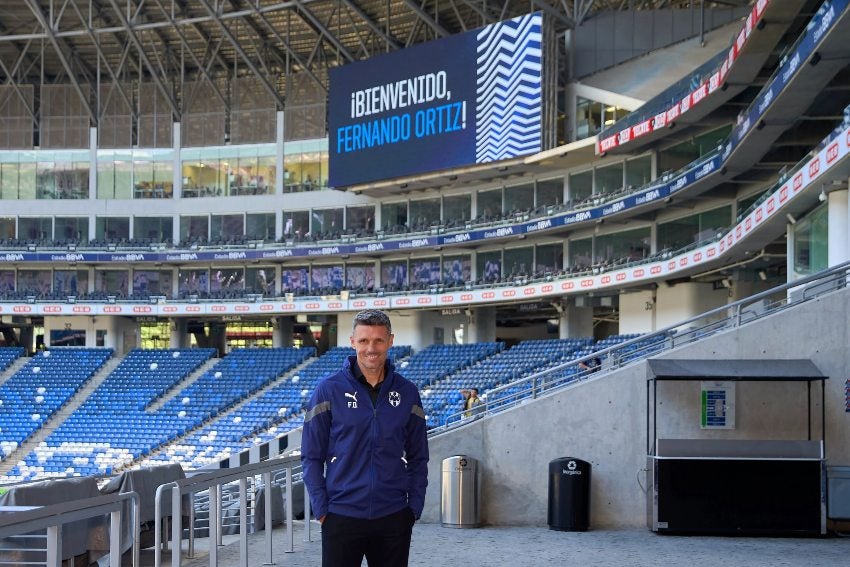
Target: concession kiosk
(751, 457)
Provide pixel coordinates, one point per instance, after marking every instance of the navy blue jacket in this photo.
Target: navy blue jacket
(376, 454)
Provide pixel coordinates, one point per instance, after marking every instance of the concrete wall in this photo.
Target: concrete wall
(682, 301)
(603, 421)
(637, 312)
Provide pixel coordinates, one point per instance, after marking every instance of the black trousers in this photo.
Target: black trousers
(385, 542)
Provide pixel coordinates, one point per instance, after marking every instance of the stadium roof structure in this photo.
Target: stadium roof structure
(87, 42)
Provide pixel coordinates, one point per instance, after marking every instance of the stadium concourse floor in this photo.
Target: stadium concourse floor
(434, 545)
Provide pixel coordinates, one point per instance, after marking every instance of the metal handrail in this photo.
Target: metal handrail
(713, 321)
(53, 517)
(212, 482)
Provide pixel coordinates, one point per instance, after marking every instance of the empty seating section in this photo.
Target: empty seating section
(44, 384)
(8, 355)
(248, 397)
(443, 399)
(112, 426)
(438, 361)
(271, 413)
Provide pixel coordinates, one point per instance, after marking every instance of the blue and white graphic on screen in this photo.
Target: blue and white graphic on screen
(509, 94)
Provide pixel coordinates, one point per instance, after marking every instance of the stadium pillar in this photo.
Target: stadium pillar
(92, 188)
(837, 238)
(177, 170)
(282, 331)
(279, 162)
(179, 333)
(482, 325)
(575, 322)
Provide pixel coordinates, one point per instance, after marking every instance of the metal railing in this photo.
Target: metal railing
(722, 318)
(17, 521)
(212, 482)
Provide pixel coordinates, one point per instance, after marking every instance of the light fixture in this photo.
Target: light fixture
(822, 196)
(791, 219)
(762, 275)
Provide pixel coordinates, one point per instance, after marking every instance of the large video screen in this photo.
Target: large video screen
(470, 98)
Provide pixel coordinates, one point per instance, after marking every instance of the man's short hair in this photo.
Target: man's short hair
(373, 318)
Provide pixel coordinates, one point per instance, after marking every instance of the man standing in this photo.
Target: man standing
(365, 453)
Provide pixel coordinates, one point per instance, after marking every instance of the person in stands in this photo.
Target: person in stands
(472, 404)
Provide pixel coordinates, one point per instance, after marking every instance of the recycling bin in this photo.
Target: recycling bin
(460, 504)
(569, 494)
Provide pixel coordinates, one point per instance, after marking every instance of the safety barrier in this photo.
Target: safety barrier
(20, 520)
(714, 321)
(212, 482)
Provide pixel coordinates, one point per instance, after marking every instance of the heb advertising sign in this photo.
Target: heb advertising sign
(695, 96)
(470, 98)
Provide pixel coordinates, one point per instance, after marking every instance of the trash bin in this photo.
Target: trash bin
(569, 494)
(838, 491)
(460, 504)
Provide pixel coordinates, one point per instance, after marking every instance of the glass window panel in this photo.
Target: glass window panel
(193, 282)
(155, 229)
(35, 282)
(75, 229)
(685, 231)
(227, 227)
(153, 282)
(425, 272)
(35, 228)
(581, 253)
(227, 279)
(457, 209)
(549, 258)
(519, 198)
(326, 279)
(112, 282)
(105, 179)
(489, 265)
(629, 245)
(266, 174)
(194, 229)
(489, 205)
(519, 261)
(394, 275)
(424, 214)
(26, 187)
(581, 185)
(163, 179)
(550, 192)
(457, 270)
(260, 226)
(394, 216)
(609, 179)
(112, 229)
(45, 180)
(638, 171)
(327, 223)
(8, 227)
(71, 282)
(296, 224)
(260, 280)
(811, 242)
(588, 118)
(360, 219)
(360, 278)
(7, 281)
(294, 280)
(9, 181)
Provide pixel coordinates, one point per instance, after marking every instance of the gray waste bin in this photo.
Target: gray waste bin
(461, 493)
(838, 490)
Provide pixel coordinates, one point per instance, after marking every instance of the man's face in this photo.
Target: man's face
(371, 342)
